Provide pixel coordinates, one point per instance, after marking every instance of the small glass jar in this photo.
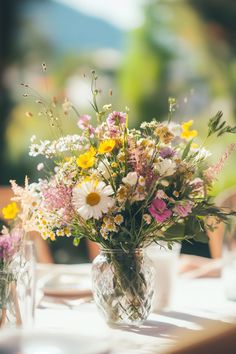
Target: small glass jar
(123, 285)
(9, 305)
(17, 289)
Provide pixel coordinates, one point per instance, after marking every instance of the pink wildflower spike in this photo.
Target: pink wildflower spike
(212, 172)
(57, 197)
(159, 210)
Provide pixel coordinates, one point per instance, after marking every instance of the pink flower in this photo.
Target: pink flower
(197, 184)
(116, 118)
(91, 131)
(83, 122)
(159, 210)
(183, 209)
(160, 194)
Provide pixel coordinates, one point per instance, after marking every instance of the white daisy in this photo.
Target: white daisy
(166, 167)
(92, 198)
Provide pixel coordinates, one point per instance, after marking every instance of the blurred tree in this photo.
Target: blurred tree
(145, 69)
(11, 51)
(168, 57)
(220, 22)
(8, 23)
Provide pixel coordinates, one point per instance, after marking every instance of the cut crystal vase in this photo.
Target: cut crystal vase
(123, 285)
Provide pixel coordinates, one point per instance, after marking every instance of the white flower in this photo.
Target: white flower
(92, 198)
(40, 166)
(166, 167)
(175, 128)
(160, 194)
(103, 168)
(202, 153)
(147, 218)
(131, 178)
(33, 138)
(141, 181)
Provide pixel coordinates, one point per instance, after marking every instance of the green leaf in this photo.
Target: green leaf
(186, 150)
(215, 125)
(214, 122)
(175, 231)
(201, 237)
(195, 227)
(76, 241)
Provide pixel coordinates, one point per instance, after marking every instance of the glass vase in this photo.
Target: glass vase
(10, 316)
(123, 286)
(17, 289)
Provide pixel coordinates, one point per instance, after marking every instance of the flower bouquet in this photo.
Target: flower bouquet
(123, 189)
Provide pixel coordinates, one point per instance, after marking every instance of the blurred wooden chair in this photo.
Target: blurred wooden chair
(188, 263)
(226, 199)
(43, 252)
(210, 340)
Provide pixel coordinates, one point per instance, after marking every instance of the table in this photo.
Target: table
(197, 304)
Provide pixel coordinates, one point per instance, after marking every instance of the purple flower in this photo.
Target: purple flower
(167, 152)
(159, 210)
(10, 243)
(183, 209)
(116, 118)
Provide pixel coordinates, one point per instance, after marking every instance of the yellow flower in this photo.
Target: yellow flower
(186, 133)
(106, 146)
(194, 146)
(121, 156)
(10, 211)
(48, 234)
(114, 164)
(86, 160)
(67, 231)
(52, 236)
(92, 151)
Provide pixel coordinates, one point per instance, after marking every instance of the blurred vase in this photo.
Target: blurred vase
(17, 289)
(165, 265)
(123, 286)
(229, 264)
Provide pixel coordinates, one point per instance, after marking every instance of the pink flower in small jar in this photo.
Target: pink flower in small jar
(159, 210)
(10, 242)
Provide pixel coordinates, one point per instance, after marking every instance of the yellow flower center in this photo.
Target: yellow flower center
(93, 198)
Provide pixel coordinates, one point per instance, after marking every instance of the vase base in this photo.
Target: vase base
(124, 325)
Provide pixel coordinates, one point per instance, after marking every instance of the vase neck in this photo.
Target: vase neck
(136, 251)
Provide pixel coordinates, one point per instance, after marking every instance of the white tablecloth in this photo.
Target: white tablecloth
(197, 304)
